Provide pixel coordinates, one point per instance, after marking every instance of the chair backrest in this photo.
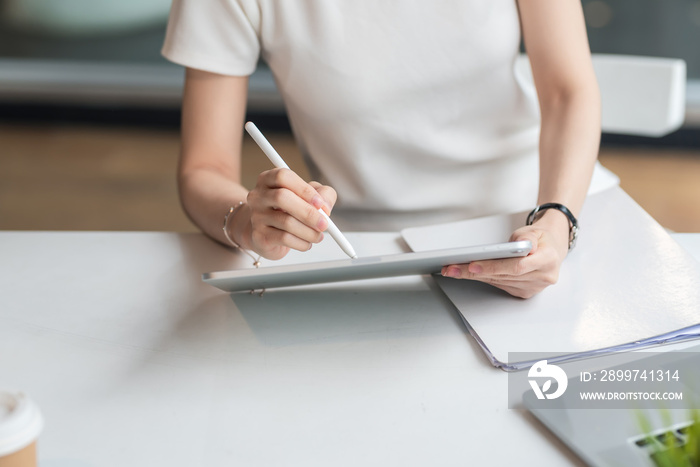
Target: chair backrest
(640, 95)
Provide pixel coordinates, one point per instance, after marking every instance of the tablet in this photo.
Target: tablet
(402, 264)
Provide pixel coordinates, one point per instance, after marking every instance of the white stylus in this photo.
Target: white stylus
(278, 162)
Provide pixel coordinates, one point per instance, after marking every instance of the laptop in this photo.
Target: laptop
(637, 432)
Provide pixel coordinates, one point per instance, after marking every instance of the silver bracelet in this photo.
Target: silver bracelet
(232, 210)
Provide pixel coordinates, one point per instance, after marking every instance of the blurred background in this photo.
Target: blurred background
(89, 114)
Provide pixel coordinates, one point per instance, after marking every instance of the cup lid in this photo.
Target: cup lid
(20, 421)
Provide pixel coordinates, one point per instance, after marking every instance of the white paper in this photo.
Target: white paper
(627, 284)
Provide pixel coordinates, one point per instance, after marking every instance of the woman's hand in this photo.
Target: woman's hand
(527, 276)
(282, 214)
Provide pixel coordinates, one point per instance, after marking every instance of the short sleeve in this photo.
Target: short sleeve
(219, 36)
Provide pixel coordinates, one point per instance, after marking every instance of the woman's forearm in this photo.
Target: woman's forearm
(213, 111)
(569, 141)
(207, 195)
(557, 45)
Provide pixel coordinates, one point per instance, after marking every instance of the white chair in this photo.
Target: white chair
(643, 96)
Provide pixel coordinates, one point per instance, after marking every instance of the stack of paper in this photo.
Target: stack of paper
(626, 285)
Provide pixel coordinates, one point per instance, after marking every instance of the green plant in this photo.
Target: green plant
(674, 447)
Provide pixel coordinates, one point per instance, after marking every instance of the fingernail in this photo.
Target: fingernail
(475, 268)
(322, 224)
(451, 272)
(317, 202)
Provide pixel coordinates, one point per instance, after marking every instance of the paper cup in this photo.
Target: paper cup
(20, 425)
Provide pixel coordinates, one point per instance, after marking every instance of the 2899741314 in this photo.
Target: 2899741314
(643, 375)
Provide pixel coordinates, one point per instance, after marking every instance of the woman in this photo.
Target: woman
(412, 110)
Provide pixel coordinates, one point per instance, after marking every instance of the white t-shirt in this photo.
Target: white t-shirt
(410, 109)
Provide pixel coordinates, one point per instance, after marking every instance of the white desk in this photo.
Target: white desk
(134, 361)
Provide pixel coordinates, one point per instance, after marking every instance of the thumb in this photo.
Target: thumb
(527, 234)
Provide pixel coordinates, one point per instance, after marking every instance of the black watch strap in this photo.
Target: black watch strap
(573, 223)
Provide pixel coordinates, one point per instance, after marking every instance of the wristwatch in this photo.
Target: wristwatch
(573, 223)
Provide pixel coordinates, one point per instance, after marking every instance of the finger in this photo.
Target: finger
(286, 179)
(328, 194)
(285, 222)
(528, 284)
(517, 288)
(491, 268)
(275, 236)
(527, 233)
(461, 271)
(509, 266)
(281, 199)
(468, 271)
(530, 268)
(263, 244)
